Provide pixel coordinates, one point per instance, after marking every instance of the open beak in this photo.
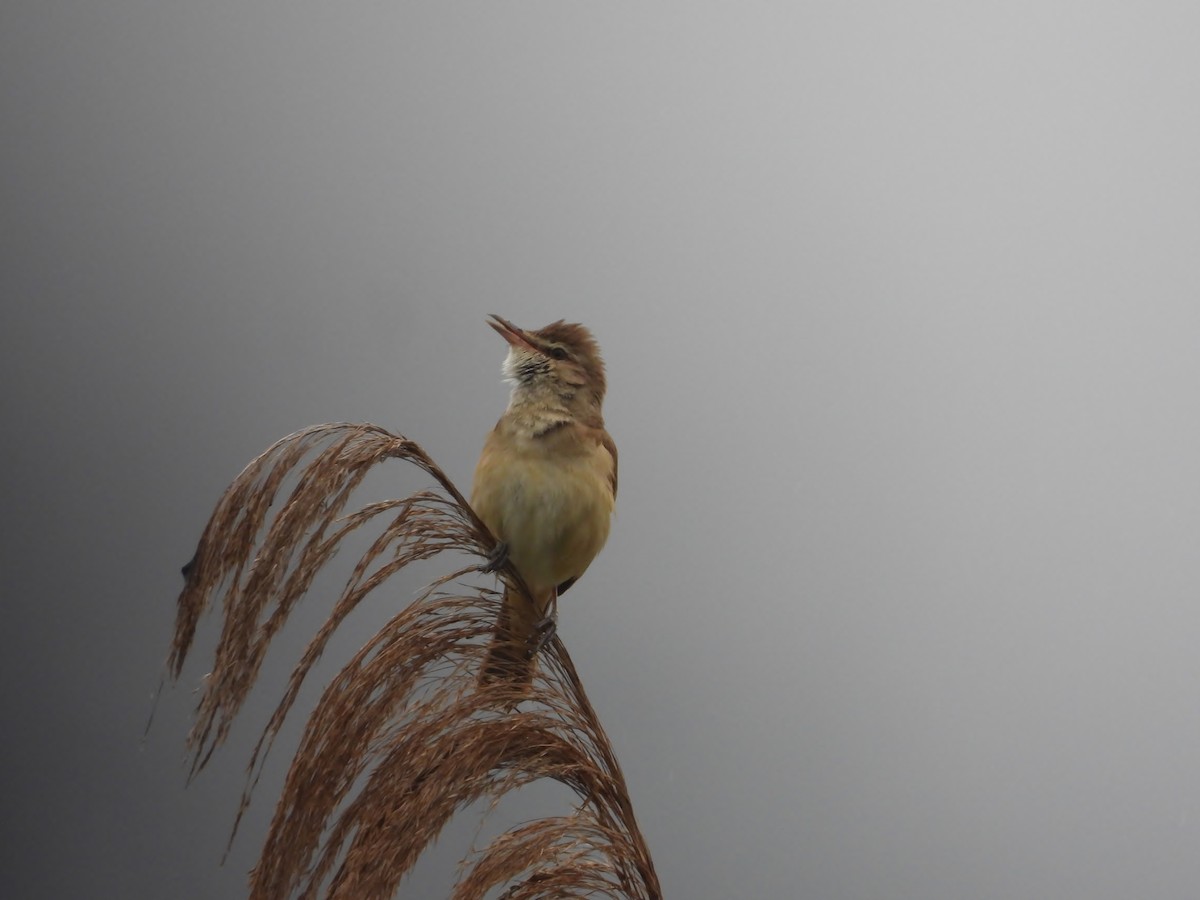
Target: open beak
(517, 337)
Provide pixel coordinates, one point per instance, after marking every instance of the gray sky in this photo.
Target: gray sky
(901, 305)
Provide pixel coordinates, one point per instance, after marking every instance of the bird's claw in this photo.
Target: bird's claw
(497, 559)
(543, 633)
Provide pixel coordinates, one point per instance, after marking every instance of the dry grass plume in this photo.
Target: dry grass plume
(404, 736)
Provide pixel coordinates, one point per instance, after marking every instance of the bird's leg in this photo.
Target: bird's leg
(545, 628)
(543, 633)
(497, 558)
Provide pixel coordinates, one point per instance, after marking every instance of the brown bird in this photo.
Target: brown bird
(545, 484)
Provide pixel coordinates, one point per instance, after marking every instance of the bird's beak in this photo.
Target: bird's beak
(517, 337)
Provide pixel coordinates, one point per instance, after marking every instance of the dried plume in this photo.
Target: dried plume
(404, 736)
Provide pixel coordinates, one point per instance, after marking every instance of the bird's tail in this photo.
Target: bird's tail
(510, 658)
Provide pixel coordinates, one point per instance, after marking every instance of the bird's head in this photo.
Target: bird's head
(562, 357)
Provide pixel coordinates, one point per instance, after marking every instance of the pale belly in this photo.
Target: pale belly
(554, 515)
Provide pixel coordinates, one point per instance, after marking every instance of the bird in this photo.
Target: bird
(545, 486)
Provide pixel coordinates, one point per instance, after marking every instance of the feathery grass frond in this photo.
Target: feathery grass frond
(404, 736)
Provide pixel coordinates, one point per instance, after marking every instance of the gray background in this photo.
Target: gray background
(900, 305)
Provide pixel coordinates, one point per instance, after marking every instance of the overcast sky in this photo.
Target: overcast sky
(901, 307)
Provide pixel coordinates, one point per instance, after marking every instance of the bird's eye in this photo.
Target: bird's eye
(558, 352)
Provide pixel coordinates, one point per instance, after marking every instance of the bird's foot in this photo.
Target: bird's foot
(543, 633)
(497, 559)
